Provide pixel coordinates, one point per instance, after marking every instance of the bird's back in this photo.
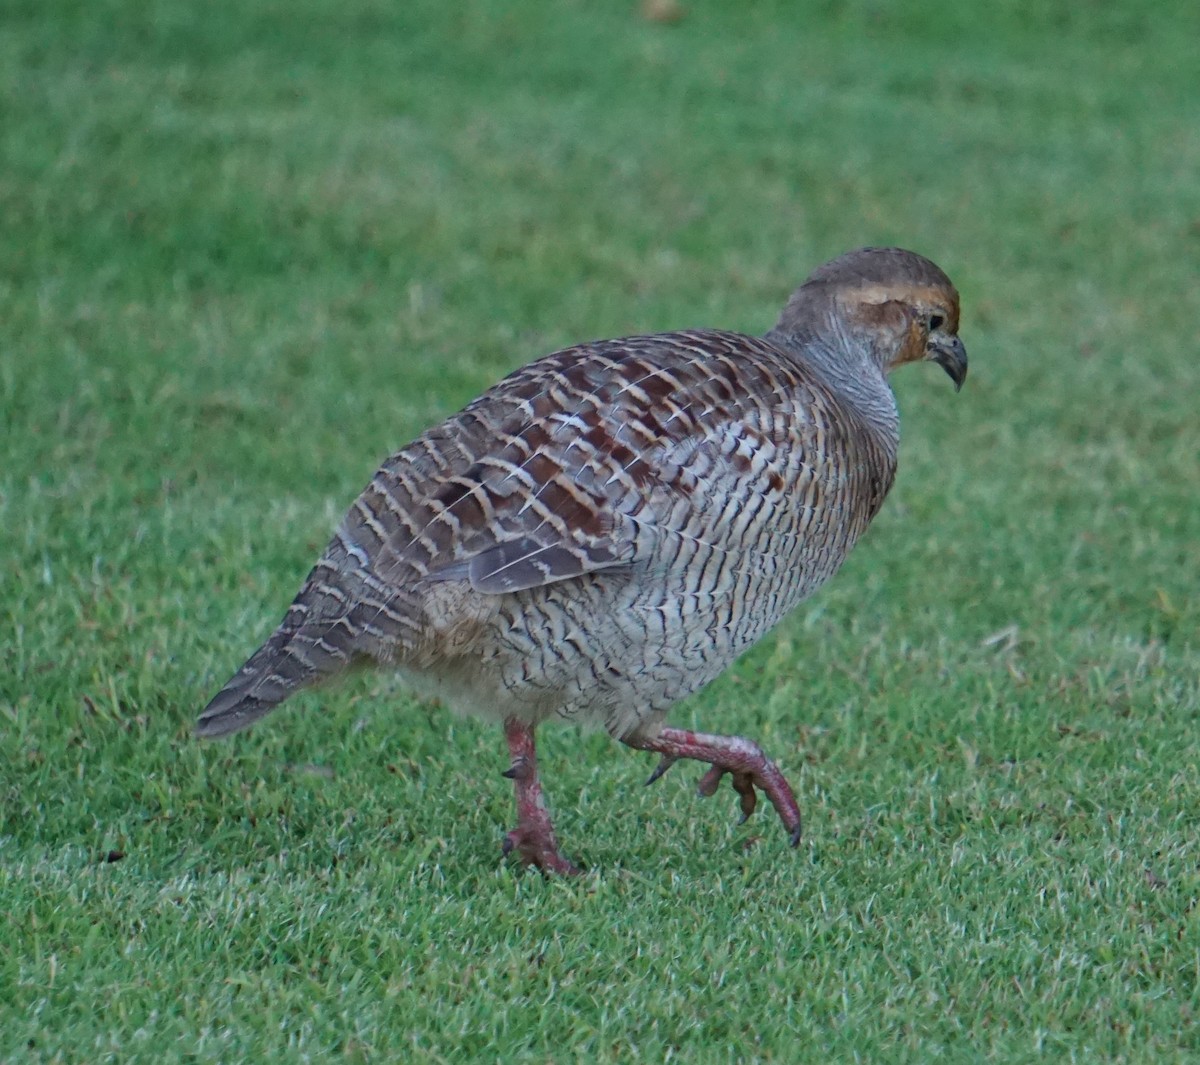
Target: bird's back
(596, 536)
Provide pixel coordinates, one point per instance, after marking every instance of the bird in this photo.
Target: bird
(609, 527)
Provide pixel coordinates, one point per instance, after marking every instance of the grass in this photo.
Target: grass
(248, 250)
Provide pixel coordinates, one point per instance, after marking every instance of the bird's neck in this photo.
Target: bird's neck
(850, 369)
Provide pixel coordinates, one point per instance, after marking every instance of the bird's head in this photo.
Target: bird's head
(901, 305)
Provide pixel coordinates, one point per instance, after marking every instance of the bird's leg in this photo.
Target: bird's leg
(742, 759)
(533, 839)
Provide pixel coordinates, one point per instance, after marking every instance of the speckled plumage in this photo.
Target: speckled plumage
(605, 530)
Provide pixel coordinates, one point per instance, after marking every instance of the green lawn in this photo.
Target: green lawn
(248, 249)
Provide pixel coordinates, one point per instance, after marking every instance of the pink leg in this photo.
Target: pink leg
(533, 839)
(742, 759)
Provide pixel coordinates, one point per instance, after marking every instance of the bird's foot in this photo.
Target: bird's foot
(536, 846)
(533, 839)
(742, 759)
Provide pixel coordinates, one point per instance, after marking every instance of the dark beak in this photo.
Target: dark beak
(948, 352)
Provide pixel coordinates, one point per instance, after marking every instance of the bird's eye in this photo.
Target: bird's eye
(936, 321)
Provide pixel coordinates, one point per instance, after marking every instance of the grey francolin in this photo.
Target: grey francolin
(605, 530)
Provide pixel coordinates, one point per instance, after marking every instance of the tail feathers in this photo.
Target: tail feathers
(282, 666)
(231, 711)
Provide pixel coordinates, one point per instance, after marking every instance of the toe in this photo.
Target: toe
(709, 782)
(744, 786)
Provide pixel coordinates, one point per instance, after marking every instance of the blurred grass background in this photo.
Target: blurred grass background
(248, 249)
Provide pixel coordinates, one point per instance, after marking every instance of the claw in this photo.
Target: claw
(660, 769)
